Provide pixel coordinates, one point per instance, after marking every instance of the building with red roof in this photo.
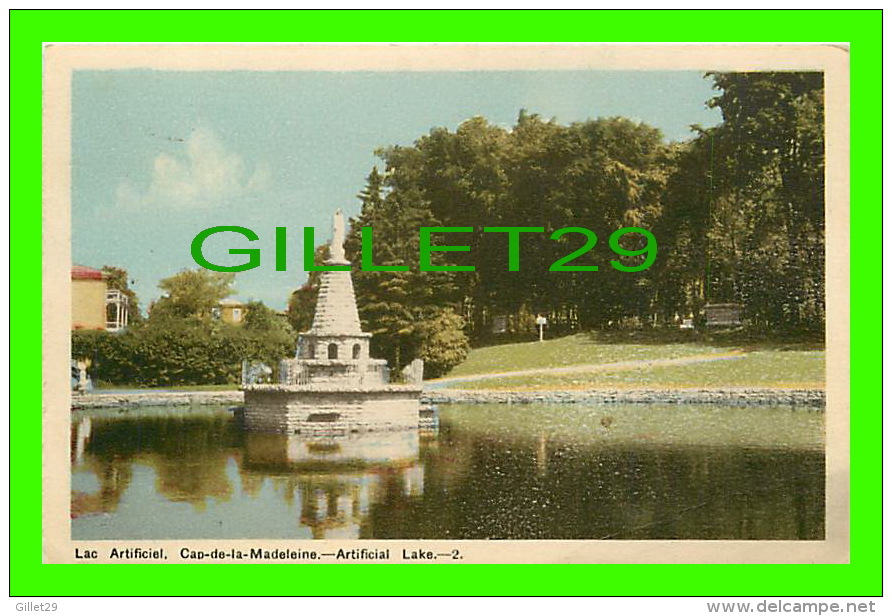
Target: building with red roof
(93, 304)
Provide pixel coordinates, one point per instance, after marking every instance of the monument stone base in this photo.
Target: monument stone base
(306, 410)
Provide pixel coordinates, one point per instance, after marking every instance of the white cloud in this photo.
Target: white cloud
(205, 175)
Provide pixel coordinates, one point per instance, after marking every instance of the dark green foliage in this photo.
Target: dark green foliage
(302, 303)
(167, 351)
(394, 306)
(441, 343)
(301, 306)
(737, 212)
(263, 320)
(601, 175)
(747, 197)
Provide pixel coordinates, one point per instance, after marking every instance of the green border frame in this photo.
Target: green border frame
(29, 29)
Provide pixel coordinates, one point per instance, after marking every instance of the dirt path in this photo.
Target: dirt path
(582, 368)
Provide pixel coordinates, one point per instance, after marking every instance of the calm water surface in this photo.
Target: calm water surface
(512, 472)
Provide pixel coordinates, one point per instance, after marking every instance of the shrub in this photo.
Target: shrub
(179, 352)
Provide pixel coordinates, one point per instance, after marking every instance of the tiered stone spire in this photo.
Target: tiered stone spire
(336, 311)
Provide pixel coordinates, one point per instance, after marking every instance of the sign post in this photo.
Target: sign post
(541, 322)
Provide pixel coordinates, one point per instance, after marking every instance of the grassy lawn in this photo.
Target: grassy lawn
(569, 351)
(796, 369)
(765, 365)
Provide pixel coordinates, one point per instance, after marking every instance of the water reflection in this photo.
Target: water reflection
(334, 479)
(491, 472)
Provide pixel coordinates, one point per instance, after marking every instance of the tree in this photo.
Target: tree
(302, 302)
(302, 307)
(744, 201)
(372, 195)
(264, 323)
(192, 293)
(392, 303)
(602, 175)
(773, 140)
(261, 318)
(737, 212)
(441, 342)
(268, 336)
(170, 350)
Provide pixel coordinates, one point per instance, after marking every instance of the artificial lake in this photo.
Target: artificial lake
(522, 471)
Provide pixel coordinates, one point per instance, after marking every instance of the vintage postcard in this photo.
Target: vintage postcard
(446, 303)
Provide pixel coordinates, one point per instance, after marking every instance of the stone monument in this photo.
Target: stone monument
(332, 384)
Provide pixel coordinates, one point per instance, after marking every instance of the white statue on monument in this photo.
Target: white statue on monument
(336, 249)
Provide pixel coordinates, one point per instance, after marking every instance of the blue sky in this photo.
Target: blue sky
(158, 156)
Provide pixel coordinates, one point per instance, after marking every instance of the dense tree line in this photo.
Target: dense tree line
(737, 213)
(748, 195)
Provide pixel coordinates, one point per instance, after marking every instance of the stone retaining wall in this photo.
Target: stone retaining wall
(731, 396)
(156, 398)
(735, 397)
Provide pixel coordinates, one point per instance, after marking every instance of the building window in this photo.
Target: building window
(356, 351)
(332, 351)
(236, 315)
